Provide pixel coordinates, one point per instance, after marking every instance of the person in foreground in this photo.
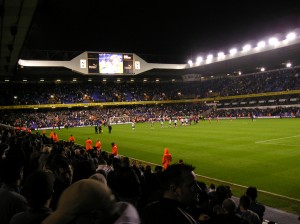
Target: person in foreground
(179, 189)
(91, 201)
(38, 190)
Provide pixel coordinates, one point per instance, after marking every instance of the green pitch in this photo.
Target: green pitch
(264, 153)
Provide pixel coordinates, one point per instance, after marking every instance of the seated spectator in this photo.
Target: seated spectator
(38, 190)
(90, 201)
(255, 206)
(246, 215)
(228, 215)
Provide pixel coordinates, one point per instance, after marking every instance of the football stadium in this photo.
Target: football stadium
(142, 125)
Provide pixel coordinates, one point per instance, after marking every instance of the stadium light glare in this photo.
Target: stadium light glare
(199, 59)
(288, 65)
(190, 62)
(221, 54)
(42, 80)
(273, 41)
(233, 51)
(6, 80)
(261, 44)
(291, 36)
(209, 58)
(262, 69)
(247, 47)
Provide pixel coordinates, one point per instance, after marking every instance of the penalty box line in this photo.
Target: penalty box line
(275, 139)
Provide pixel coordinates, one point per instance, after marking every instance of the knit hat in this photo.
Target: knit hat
(82, 198)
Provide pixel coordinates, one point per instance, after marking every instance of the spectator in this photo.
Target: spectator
(11, 173)
(255, 206)
(229, 215)
(38, 190)
(90, 201)
(180, 189)
(249, 217)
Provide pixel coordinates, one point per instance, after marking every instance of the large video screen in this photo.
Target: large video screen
(110, 63)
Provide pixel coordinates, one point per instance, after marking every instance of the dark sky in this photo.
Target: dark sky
(168, 30)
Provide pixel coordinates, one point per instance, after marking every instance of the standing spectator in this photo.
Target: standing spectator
(179, 189)
(11, 173)
(91, 201)
(62, 170)
(166, 159)
(114, 150)
(38, 190)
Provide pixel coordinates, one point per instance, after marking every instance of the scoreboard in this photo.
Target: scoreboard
(110, 63)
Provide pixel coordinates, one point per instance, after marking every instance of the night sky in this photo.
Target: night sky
(169, 31)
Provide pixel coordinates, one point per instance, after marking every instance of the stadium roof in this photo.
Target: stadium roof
(19, 23)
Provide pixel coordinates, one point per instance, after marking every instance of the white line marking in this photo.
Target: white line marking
(277, 144)
(275, 139)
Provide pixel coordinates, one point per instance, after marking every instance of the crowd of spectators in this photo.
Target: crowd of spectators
(88, 92)
(48, 182)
